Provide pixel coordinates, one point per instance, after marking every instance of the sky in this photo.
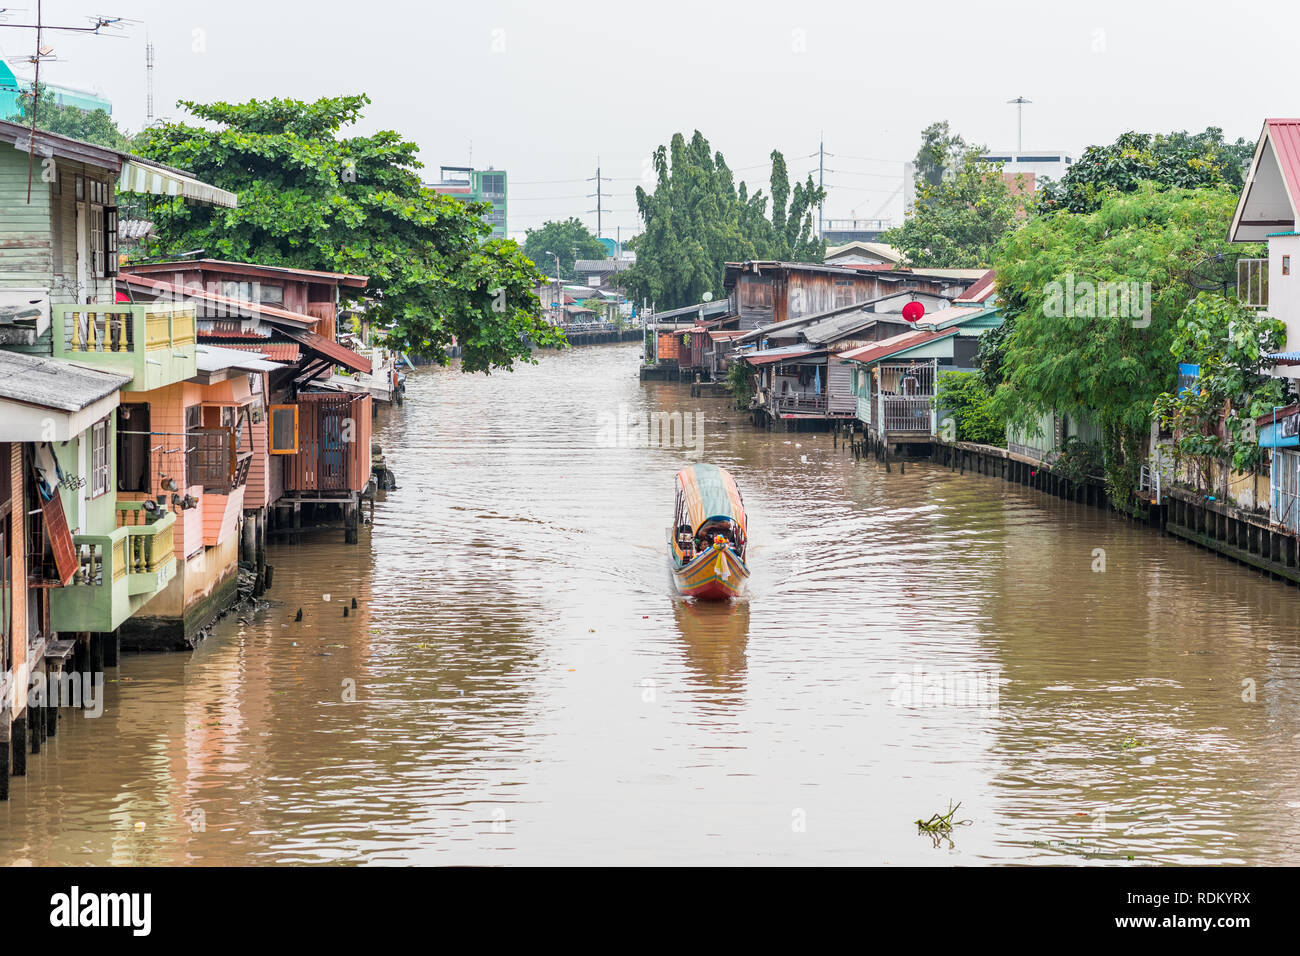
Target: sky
(547, 90)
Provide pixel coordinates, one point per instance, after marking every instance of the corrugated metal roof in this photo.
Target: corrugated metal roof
(55, 383)
(339, 354)
(229, 328)
(1284, 137)
(132, 229)
(288, 352)
(830, 330)
(980, 291)
(214, 358)
(895, 344)
(786, 353)
(182, 292)
(249, 268)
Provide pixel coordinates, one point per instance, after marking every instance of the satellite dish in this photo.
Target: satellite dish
(913, 311)
(708, 297)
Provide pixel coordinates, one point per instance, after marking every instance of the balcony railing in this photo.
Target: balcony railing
(117, 572)
(150, 546)
(154, 342)
(908, 413)
(802, 404)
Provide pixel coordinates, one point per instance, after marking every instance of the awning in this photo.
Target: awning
(328, 348)
(141, 176)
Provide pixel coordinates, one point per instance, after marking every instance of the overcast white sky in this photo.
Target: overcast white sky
(542, 89)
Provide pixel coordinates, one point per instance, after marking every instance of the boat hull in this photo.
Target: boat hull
(715, 575)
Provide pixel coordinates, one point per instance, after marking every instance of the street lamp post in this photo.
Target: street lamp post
(559, 290)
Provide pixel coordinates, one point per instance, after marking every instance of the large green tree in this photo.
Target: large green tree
(1177, 160)
(957, 222)
(1230, 344)
(1106, 359)
(89, 126)
(697, 219)
(567, 238)
(941, 150)
(311, 198)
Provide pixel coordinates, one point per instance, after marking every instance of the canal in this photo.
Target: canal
(518, 684)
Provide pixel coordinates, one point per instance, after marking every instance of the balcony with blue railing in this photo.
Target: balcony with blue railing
(154, 342)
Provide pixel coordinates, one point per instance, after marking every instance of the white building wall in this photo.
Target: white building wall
(1284, 295)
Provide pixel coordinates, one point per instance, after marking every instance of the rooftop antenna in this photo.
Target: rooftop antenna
(44, 52)
(148, 73)
(1020, 102)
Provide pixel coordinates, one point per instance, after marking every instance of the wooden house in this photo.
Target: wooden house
(317, 424)
(894, 381)
(58, 266)
(769, 293)
(56, 496)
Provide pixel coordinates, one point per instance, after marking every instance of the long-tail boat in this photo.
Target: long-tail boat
(706, 544)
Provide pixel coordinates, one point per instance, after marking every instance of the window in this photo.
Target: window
(96, 239)
(271, 294)
(110, 241)
(133, 449)
(99, 458)
(284, 430)
(1286, 265)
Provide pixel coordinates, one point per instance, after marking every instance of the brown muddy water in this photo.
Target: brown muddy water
(529, 690)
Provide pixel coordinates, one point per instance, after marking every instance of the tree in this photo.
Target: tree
(1093, 299)
(957, 222)
(941, 150)
(1230, 343)
(697, 219)
(567, 238)
(90, 126)
(1176, 160)
(793, 239)
(964, 396)
(311, 199)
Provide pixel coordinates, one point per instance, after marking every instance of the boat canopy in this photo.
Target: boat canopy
(709, 492)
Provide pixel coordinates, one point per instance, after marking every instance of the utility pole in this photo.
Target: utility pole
(821, 171)
(1020, 102)
(43, 52)
(598, 179)
(148, 74)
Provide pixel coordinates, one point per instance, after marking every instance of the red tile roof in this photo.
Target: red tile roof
(339, 354)
(896, 343)
(288, 352)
